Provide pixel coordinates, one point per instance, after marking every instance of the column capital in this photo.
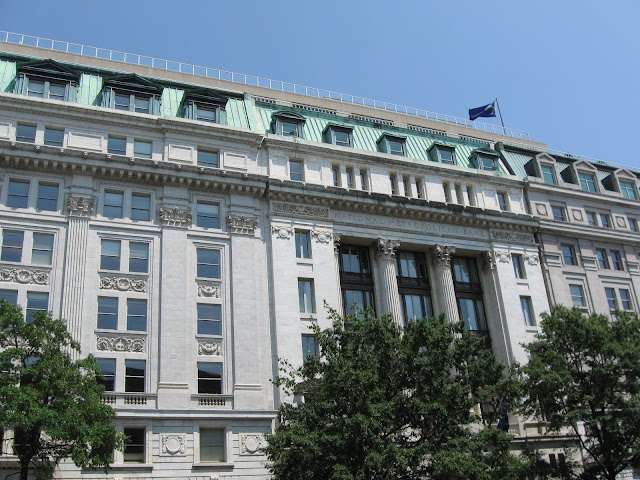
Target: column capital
(81, 205)
(174, 216)
(244, 224)
(386, 248)
(442, 254)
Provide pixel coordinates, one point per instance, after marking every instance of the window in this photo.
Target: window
(518, 266)
(349, 174)
(527, 311)
(288, 124)
(577, 296)
(465, 272)
(212, 445)
(419, 191)
(204, 114)
(568, 254)
(205, 106)
(42, 89)
(138, 257)
(309, 347)
(209, 319)
(303, 244)
(108, 313)
(558, 213)
(592, 219)
(406, 186)
(603, 261)
(364, 185)
(587, 182)
(356, 280)
(142, 149)
(110, 255)
(42, 251)
(134, 373)
(108, 378)
(306, 297)
(53, 137)
(339, 136)
(488, 163)
(208, 263)
(208, 158)
(295, 170)
(210, 378)
(131, 103)
(134, 445)
(10, 296)
(393, 145)
(12, 241)
(560, 460)
(616, 259)
(36, 302)
(605, 220)
(113, 206)
(446, 155)
(335, 175)
(18, 193)
(207, 215)
(472, 313)
(466, 282)
(413, 286)
(289, 128)
(26, 133)
(633, 224)
(140, 207)
(137, 315)
(502, 201)
(47, 196)
(547, 174)
(628, 190)
(393, 180)
(117, 145)
(611, 298)
(625, 299)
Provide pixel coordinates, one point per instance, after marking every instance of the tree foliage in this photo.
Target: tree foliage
(383, 403)
(585, 371)
(51, 401)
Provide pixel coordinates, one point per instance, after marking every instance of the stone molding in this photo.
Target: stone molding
(175, 216)
(244, 224)
(505, 235)
(172, 445)
(81, 206)
(322, 236)
(282, 231)
(251, 443)
(120, 343)
(123, 284)
(209, 291)
(24, 276)
(503, 256)
(386, 248)
(209, 347)
(280, 208)
(442, 254)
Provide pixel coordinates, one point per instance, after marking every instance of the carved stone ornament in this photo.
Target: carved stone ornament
(336, 242)
(532, 259)
(173, 445)
(503, 256)
(508, 236)
(123, 284)
(322, 236)
(120, 344)
(442, 254)
(242, 224)
(251, 443)
(280, 208)
(209, 347)
(488, 260)
(77, 205)
(386, 248)
(210, 291)
(22, 275)
(175, 216)
(282, 231)
(541, 209)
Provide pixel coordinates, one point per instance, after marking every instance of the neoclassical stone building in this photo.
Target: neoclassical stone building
(189, 227)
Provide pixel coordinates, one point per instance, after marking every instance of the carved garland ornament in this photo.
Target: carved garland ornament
(121, 344)
(174, 216)
(299, 210)
(321, 236)
(77, 205)
(173, 444)
(19, 275)
(251, 443)
(503, 256)
(283, 232)
(442, 254)
(123, 284)
(212, 291)
(242, 224)
(532, 259)
(207, 347)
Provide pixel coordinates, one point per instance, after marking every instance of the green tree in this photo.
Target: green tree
(584, 371)
(52, 402)
(383, 403)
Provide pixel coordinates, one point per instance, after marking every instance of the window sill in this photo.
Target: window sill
(304, 261)
(532, 329)
(131, 466)
(213, 465)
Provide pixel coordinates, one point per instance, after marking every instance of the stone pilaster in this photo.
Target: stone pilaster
(444, 289)
(336, 249)
(386, 257)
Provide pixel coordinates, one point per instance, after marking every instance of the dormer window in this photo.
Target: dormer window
(548, 174)
(131, 93)
(485, 159)
(340, 136)
(392, 145)
(47, 79)
(206, 106)
(587, 181)
(289, 124)
(628, 190)
(442, 153)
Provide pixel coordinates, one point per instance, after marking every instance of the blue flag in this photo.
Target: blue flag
(488, 110)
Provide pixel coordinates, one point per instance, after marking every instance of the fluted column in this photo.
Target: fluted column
(336, 249)
(445, 291)
(79, 209)
(386, 258)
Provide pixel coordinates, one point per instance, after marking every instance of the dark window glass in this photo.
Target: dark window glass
(53, 137)
(57, 92)
(209, 378)
(527, 311)
(113, 204)
(616, 260)
(605, 220)
(592, 219)
(354, 260)
(446, 156)
(335, 175)
(117, 146)
(108, 378)
(110, 255)
(141, 105)
(108, 313)
(558, 213)
(357, 299)
(209, 319)
(208, 263)
(306, 296)
(363, 179)
(465, 270)
(487, 163)
(395, 147)
(309, 347)
(295, 170)
(208, 215)
(47, 197)
(415, 306)
(502, 201)
(42, 251)
(134, 445)
(138, 257)
(12, 241)
(140, 207)
(122, 102)
(26, 133)
(472, 313)
(208, 158)
(137, 315)
(205, 114)
(601, 255)
(36, 301)
(568, 254)
(611, 298)
(18, 194)
(10, 296)
(341, 137)
(35, 89)
(394, 184)
(141, 149)
(134, 371)
(625, 298)
(518, 266)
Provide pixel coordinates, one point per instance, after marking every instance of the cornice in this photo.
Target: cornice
(575, 192)
(605, 235)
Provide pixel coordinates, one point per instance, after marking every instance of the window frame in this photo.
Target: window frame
(309, 350)
(565, 249)
(503, 201)
(548, 176)
(299, 176)
(17, 248)
(107, 380)
(31, 308)
(526, 304)
(104, 259)
(131, 380)
(49, 247)
(207, 220)
(303, 244)
(18, 199)
(332, 138)
(217, 382)
(128, 444)
(306, 295)
(217, 267)
(561, 209)
(577, 292)
(203, 322)
(519, 270)
(43, 203)
(386, 142)
(107, 311)
(26, 138)
(138, 142)
(203, 162)
(588, 181)
(137, 316)
(628, 190)
(202, 458)
(112, 150)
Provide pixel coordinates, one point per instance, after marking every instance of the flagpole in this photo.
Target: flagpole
(501, 120)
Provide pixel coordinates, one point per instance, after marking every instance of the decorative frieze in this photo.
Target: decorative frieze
(386, 248)
(503, 256)
(251, 443)
(118, 343)
(209, 347)
(282, 231)
(321, 236)
(209, 291)
(123, 284)
(24, 276)
(175, 216)
(81, 205)
(442, 254)
(507, 236)
(172, 445)
(280, 208)
(242, 224)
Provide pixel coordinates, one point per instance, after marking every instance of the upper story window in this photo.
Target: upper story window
(558, 213)
(568, 254)
(587, 181)
(121, 204)
(592, 219)
(392, 145)
(287, 123)
(443, 154)
(207, 214)
(340, 136)
(208, 263)
(548, 174)
(303, 244)
(47, 79)
(53, 137)
(117, 145)
(296, 170)
(502, 201)
(485, 159)
(25, 133)
(46, 195)
(208, 158)
(605, 220)
(356, 281)
(131, 93)
(205, 106)
(628, 190)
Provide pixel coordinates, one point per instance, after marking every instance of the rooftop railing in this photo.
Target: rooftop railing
(252, 80)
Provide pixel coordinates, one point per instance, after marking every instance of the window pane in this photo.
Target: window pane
(208, 158)
(47, 197)
(117, 146)
(208, 263)
(10, 296)
(342, 138)
(625, 298)
(205, 114)
(209, 319)
(57, 92)
(527, 311)
(36, 301)
(395, 147)
(309, 347)
(568, 254)
(140, 207)
(518, 266)
(207, 215)
(306, 298)
(295, 170)
(134, 375)
(35, 89)
(290, 129)
(587, 182)
(42, 252)
(53, 137)
(210, 378)
(137, 315)
(141, 105)
(303, 245)
(108, 313)
(12, 241)
(26, 133)
(113, 204)
(142, 149)
(110, 256)
(108, 368)
(121, 102)
(577, 295)
(18, 194)
(611, 298)
(547, 175)
(211, 445)
(139, 257)
(134, 445)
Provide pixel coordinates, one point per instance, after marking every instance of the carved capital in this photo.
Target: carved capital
(488, 260)
(386, 248)
(321, 236)
(442, 254)
(174, 216)
(123, 284)
(119, 343)
(210, 291)
(24, 276)
(336, 243)
(242, 224)
(81, 206)
(282, 231)
(209, 347)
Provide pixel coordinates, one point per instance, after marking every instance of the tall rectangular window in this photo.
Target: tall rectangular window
(137, 315)
(547, 174)
(303, 244)
(142, 149)
(107, 367)
(18, 193)
(625, 299)
(140, 207)
(108, 313)
(335, 175)
(502, 201)
(611, 298)
(134, 445)
(36, 302)
(587, 182)
(349, 174)
(110, 255)
(35, 89)
(306, 296)
(138, 257)
(633, 225)
(42, 251)
(518, 266)
(393, 180)
(558, 213)
(395, 146)
(603, 260)
(113, 206)
(47, 196)
(53, 137)
(356, 280)
(605, 220)
(568, 254)
(418, 184)
(527, 311)
(577, 296)
(472, 313)
(212, 445)
(592, 219)
(208, 263)
(116, 145)
(364, 185)
(210, 378)
(12, 241)
(134, 375)
(446, 155)
(207, 215)
(309, 347)
(466, 282)
(209, 319)
(26, 133)
(296, 171)
(628, 190)
(208, 158)
(413, 286)
(616, 259)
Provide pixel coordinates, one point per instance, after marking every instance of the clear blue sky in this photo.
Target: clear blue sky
(566, 71)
